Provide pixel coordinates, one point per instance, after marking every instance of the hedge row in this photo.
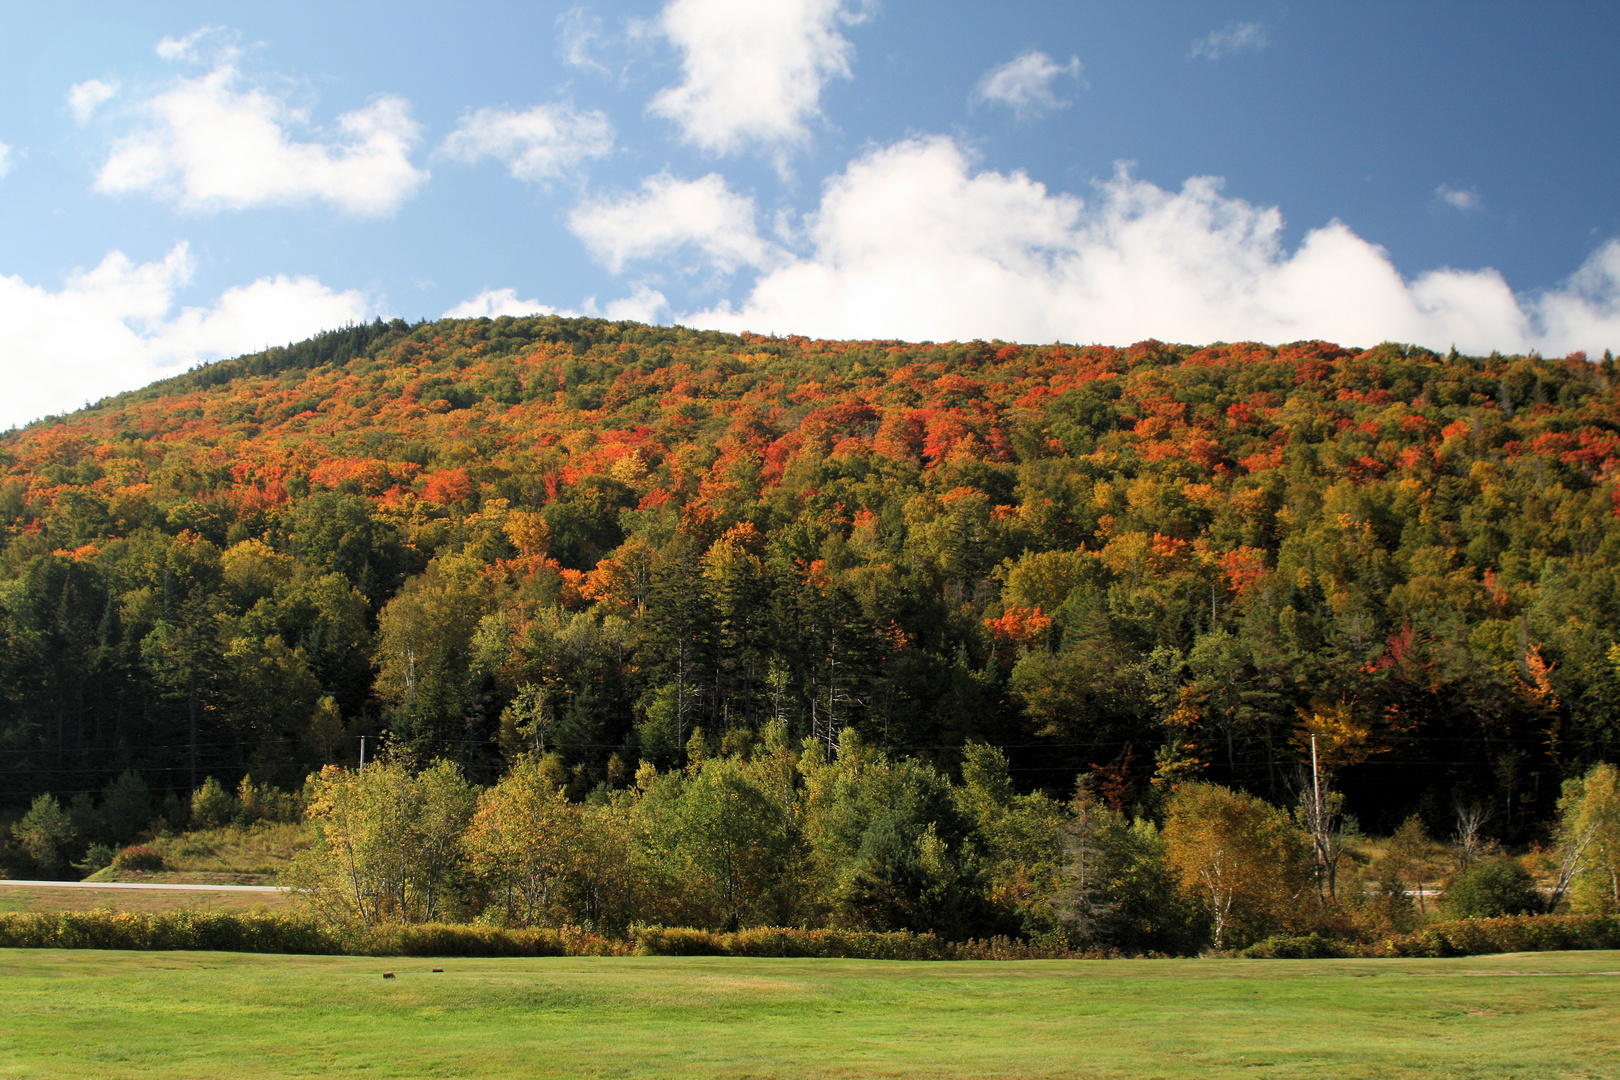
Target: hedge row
(258, 933)
(839, 944)
(1461, 937)
(262, 933)
(1506, 933)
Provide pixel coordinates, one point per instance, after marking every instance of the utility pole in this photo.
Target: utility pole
(363, 753)
(1319, 837)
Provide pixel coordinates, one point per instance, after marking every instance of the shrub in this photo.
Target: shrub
(1489, 889)
(1510, 933)
(137, 857)
(265, 802)
(43, 833)
(212, 806)
(1283, 947)
(96, 857)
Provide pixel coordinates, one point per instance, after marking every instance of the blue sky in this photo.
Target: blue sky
(184, 181)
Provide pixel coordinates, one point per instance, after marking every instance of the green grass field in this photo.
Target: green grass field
(26, 898)
(128, 1014)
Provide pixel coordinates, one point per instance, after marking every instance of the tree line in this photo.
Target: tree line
(776, 835)
(488, 541)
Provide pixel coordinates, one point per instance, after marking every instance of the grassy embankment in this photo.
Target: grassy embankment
(233, 855)
(112, 1015)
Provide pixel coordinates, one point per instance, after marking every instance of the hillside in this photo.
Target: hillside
(477, 537)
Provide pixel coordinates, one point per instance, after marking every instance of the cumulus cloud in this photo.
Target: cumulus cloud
(1026, 83)
(85, 98)
(1466, 200)
(1231, 38)
(667, 217)
(115, 328)
(216, 142)
(537, 145)
(5, 159)
(912, 242)
(493, 303)
(752, 72)
(643, 305)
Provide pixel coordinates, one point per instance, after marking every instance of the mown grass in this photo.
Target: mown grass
(28, 898)
(80, 1013)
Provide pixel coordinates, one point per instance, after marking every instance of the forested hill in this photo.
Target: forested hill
(598, 538)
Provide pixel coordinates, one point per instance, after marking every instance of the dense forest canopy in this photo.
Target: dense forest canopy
(619, 543)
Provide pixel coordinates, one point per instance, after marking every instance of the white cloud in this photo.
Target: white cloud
(114, 328)
(1231, 38)
(214, 142)
(185, 48)
(642, 305)
(538, 144)
(85, 98)
(911, 242)
(493, 303)
(579, 32)
(668, 216)
(1025, 84)
(1466, 200)
(752, 70)
(5, 159)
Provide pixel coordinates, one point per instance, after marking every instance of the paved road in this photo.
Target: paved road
(159, 886)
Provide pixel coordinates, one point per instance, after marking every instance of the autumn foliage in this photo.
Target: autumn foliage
(475, 537)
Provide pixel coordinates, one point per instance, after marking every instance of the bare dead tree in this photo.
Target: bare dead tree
(1320, 812)
(1470, 838)
(1082, 902)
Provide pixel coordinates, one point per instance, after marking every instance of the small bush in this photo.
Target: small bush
(1493, 888)
(43, 833)
(96, 857)
(1282, 947)
(137, 857)
(264, 802)
(212, 806)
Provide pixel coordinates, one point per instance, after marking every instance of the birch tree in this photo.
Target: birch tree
(1243, 859)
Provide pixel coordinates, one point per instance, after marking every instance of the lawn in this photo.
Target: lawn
(45, 898)
(127, 1014)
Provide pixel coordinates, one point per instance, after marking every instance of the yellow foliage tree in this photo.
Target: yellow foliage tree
(1240, 857)
(523, 838)
(1590, 813)
(386, 840)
